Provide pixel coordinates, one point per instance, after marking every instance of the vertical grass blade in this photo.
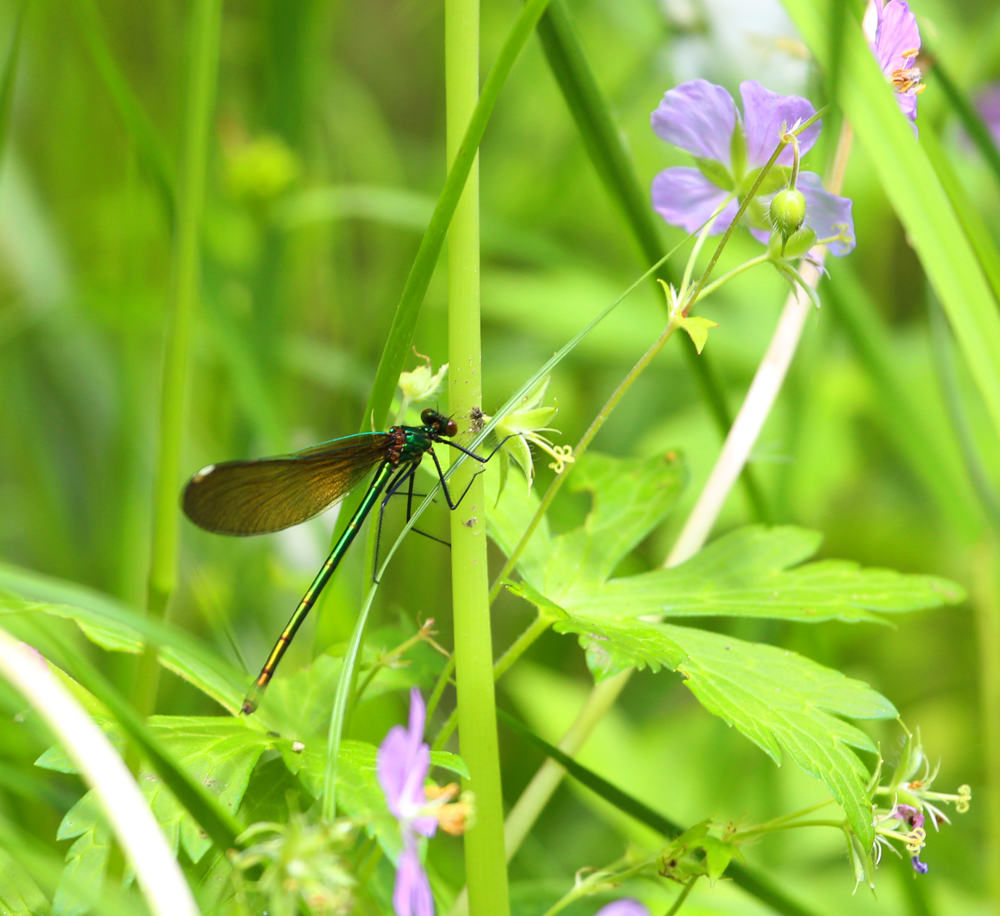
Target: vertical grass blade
(9, 77)
(912, 186)
(206, 16)
(151, 149)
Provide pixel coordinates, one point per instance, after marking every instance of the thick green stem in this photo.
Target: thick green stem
(203, 57)
(485, 866)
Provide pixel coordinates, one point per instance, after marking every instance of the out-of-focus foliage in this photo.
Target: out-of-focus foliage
(326, 161)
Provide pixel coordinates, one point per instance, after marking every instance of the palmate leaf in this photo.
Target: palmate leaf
(218, 751)
(781, 701)
(754, 572)
(106, 623)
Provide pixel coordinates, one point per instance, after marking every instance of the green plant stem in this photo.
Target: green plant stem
(735, 272)
(400, 338)
(404, 321)
(485, 867)
(181, 302)
(580, 449)
(682, 896)
(773, 828)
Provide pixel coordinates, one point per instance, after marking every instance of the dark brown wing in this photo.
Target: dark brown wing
(268, 494)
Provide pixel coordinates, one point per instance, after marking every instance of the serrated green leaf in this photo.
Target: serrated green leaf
(509, 513)
(82, 879)
(217, 751)
(630, 497)
(754, 572)
(358, 791)
(451, 762)
(106, 623)
(780, 700)
(19, 895)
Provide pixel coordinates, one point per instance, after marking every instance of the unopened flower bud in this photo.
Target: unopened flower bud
(788, 211)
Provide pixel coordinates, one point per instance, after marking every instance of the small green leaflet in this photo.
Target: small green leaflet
(19, 895)
(781, 701)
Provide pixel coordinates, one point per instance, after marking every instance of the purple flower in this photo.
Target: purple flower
(623, 906)
(896, 45)
(988, 104)
(730, 151)
(403, 763)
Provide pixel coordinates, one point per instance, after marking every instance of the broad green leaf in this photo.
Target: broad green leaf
(754, 572)
(631, 496)
(86, 860)
(358, 791)
(219, 752)
(118, 627)
(19, 895)
(778, 699)
(909, 181)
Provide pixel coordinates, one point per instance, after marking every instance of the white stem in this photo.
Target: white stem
(746, 428)
(134, 826)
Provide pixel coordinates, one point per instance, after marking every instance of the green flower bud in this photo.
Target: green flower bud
(788, 211)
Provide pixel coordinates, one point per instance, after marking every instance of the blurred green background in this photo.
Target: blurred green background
(326, 161)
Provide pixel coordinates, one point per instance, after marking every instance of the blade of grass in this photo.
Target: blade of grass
(603, 142)
(133, 823)
(151, 149)
(910, 183)
(203, 60)
(967, 114)
(933, 456)
(968, 214)
(9, 78)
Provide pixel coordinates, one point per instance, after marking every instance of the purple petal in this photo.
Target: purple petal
(686, 198)
(624, 906)
(412, 894)
(764, 113)
(403, 762)
(988, 105)
(700, 118)
(896, 32)
(827, 214)
(918, 866)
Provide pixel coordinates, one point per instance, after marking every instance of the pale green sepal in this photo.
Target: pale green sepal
(697, 329)
(716, 173)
